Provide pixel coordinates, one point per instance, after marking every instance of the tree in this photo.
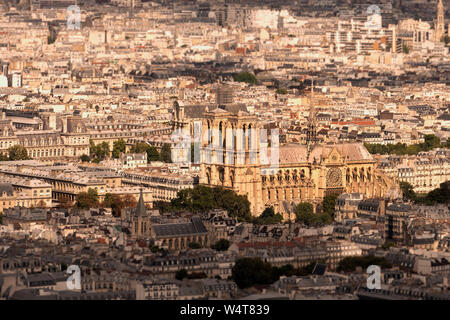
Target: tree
(100, 151)
(447, 144)
(248, 272)
(166, 153)
(114, 202)
(305, 213)
(129, 201)
(108, 200)
(85, 158)
(41, 204)
(441, 194)
(51, 39)
(64, 202)
(118, 148)
(181, 274)
(281, 91)
(247, 77)
(408, 191)
(152, 154)
(139, 147)
(268, 212)
(194, 245)
(86, 200)
(431, 142)
(18, 152)
(328, 204)
(221, 245)
(405, 49)
(202, 199)
(268, 217)
(349, 264)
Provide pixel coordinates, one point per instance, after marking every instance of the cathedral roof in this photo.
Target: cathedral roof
(292, 153)
(350, 151)
(194, 227)
(298, 153)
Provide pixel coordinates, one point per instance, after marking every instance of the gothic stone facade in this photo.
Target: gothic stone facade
(234, 156)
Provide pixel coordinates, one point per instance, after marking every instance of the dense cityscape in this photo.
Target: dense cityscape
(224, 150)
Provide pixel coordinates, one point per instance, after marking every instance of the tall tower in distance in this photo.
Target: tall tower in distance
(440, 24)
(224, 95)
(311, 133)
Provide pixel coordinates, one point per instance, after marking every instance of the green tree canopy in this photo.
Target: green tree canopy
(268, 216)
(152, 152)
(166, 153)
(203, 198)
(194, 245)
(118, 148)
(181, 274)
(86, 200)
(247, 77)
(305, 214)
(248, 272)
(100, 151)
(328, 204)
(221, 245)
(18, 152)
(349, 264)
(430, 142)
(408, 191)
(85, 158)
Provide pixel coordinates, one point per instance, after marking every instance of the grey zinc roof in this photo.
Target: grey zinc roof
(177, 229)
(6, 188)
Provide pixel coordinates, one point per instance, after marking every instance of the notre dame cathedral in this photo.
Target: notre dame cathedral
(235, 154)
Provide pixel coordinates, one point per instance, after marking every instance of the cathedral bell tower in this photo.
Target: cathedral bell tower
(230, 154)
(140, 220)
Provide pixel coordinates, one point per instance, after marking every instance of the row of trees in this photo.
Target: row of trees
(90, 199)
(349, 264)
(438, 195)
(152, 153)
(304, 213)
(101, 151)
(247, 77)
(430, 142)
(248, 272)
(203, 199)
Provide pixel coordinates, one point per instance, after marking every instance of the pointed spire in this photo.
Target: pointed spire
(311, 134)
(141, 210)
